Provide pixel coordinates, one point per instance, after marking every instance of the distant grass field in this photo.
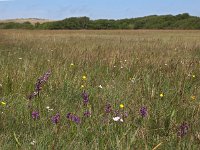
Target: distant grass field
(148, 79)
(22, 20)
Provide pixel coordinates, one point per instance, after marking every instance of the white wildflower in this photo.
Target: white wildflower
(33, 142)
(49, 109)
(118, 119)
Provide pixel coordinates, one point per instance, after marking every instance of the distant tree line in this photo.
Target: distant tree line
(15, 25)
(181, 21)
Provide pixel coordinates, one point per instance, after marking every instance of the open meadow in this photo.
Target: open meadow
(114, 89)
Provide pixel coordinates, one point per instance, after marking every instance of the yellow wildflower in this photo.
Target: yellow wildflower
(71, 64)
(82, 86)
(193, 97)
(121, 106)
(3, 103)
(161, 95)
(84, 77)
(193, 76)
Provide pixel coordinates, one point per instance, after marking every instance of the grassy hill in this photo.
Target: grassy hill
(22, 20)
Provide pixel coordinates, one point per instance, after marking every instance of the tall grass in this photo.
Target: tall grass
(133, 68)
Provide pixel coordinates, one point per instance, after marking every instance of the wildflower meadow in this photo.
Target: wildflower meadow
(114, 89)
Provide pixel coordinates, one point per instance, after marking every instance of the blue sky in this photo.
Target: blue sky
(95, 9)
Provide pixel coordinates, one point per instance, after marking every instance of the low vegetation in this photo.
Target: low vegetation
(99, 89)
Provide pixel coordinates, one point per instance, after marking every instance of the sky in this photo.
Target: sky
(95, 9)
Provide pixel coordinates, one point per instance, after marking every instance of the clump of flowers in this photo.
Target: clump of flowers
(87, 113)
(85, 98)
(108, 108)
(143, 111)
(55, 119)
(73, 118)
(183, 129)
(115, 115)
(87, 107)
(120, 115)
(35, 115)
(43, 79)
(38, 86)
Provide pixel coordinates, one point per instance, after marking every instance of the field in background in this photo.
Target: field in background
(22, 20)
(156, 70)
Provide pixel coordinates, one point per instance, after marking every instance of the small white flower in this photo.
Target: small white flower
(165, 64)
(118, 119)
(100, 86)
(49, 109)
(125, 60)
(35, 93)
(20, 58)
(0, 85)
(182, 62)
(114, 66)
(122, 67)
(33, 142)
(48, 60)
(133, 80)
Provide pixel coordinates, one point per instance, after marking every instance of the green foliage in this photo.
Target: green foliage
(14, 25)
(181, 21)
